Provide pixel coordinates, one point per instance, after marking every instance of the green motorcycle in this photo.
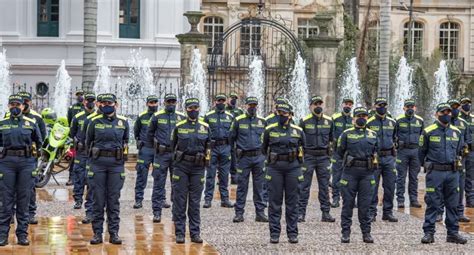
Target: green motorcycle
(56, 153)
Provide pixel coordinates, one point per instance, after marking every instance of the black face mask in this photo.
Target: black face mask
(193, 114)
(80, 99)
(410, 112)
(318, 110)
(381, 110)
(108, 109)
(445, 119)
(233, 102)
(361, 122)
(26, 107)
(90, 105)
(283, 119)
(347, 109)
(220, 106)
(15, 111)
(252, 111)
(466, 107)
(170, 108)
(455, 112)
(152, 108)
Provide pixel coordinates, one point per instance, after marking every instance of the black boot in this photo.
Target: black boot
(367, 238)
(427, 238)
(69, 182)
(346, 238)
(196, 239)
(238, 218)
(166, 205)
(3, 240)
(401, 205)
(156, 219)
(439, 217)
(23, 241)
(301, 218)
(261, 218)
(456, 238)
(86, 220)
(137, 205)
(274, 240)
(227, 204)
(335, 203)
(464, 218)
(207, 204)
(293, 239)
(327, 217)
(78, 205)
(180, 239)
(115, 239)
(96, 239)
(415, 204)
(32, 220)
(389, 218)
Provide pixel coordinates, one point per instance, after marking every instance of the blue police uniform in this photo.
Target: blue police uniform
(341, 122)
(385, 129)
(17, 135)
(317, 152)
(106, 140)
(159, 133)
(469, 184)
(283, 144)
(245, 136)
(190, 143)
(219, 125)
(357, 146)
(440, 147)
(407, 132)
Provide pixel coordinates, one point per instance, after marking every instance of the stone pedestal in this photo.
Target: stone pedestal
(190, 41)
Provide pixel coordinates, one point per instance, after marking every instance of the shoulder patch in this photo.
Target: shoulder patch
(430, 128)
(271, 126)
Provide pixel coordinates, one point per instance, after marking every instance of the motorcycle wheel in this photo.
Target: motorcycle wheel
(43, 178)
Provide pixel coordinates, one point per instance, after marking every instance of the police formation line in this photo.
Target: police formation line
(355, 147)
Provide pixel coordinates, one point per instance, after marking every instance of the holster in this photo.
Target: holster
(207, 160)
(140, 144)
(292, 155)
(427, 166)
(458, 164)
(300, 155)
(272, 157)
(401, 145)
(119, 153)
(200, 158)
(28, 151)
(394, 151)
(34, 150)
(239, 153)
(161, 149)
(178, 156)
(95, 152)
(348, 159)
(2, 152)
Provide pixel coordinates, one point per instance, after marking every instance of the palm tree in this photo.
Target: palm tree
(89, 56)
(384, 48)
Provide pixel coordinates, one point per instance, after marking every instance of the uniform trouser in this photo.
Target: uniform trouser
(162, 164)
(283, 181)
(441, 184)
(336, 177)
(233, 168)
(16, 174)
(145, 159)
(387, 171)
(188, 183)
(220, 161)
(461, 187)
(245, 166)
(319, 165)
(469, 187)
(81, 181)
(356, 182)
(108, 176)
(71, 169)
(408, 163)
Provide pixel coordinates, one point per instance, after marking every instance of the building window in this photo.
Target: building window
(214, 27)
(449, 39)
(373, 37)
(307, 28)
(48, 18)
(129, 19)
(250, 40)
(416, 40)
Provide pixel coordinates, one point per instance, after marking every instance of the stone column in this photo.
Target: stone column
(190, 41)
(323, 50)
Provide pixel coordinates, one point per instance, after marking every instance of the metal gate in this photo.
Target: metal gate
(228, 63)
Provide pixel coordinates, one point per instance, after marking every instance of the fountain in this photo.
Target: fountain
(350, 83)
(403, 87)
(257, 83)
(62, 90)
(102, 82)
(197, 87)
(5, 87)
(441, 88)
(299, 94)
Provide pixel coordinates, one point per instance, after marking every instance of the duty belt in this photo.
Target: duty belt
(189, 158)
(320, 152)
(221, 142)
(19, 153)
(360, 163)
(252, 153)
(442, 167)
(410, 146)
(384, 153)
(107, 153)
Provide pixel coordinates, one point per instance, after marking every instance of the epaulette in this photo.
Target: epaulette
(371, 119)
(401, 116)
(352, 129)
(159, 112)
(271, 126)
(307, 117)
(121, 117)
(327, 117)
(296, 127)
(270, 116)
(35, 113)
(390, 118)
(210, 112)
(7, 115)
(419, 117)
(430, 128)
(79, 114)
(228, 113)
(241, 116)
(336, 115)
(97, 117)
(29, 119)
(92, 115)
(181, 123)
(370, 130)
(180, 113)
(203, 123)
(260, 118)
(455, 128)
(142, 113)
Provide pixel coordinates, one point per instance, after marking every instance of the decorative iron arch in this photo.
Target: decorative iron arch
(228, 63)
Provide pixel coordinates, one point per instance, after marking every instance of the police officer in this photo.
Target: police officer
(159, 132)
(219, 122)
(384, 126)
(408, 129)
(466, 109)
(357, 147)
(318, 130)
(440, 147)
(235, 111)
(32, 114)
(341, 122)
(272, 118)
(80, 173)
(191, 146)
(283, 145)
(71, 112)
(106, 140)
(17, 134)
(146, 152)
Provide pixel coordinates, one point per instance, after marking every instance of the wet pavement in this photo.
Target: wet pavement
(60, 230)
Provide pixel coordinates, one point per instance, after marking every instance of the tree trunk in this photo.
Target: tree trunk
(89, 56)
(384, 48)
